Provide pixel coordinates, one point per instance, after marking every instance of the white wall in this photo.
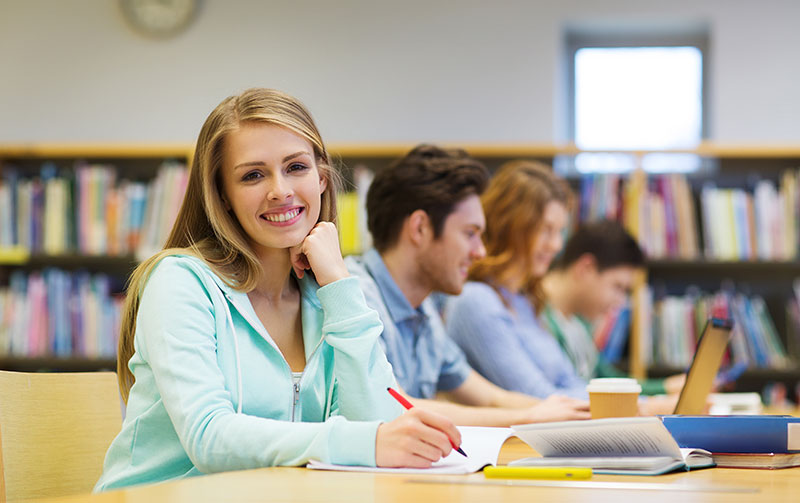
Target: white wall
(371, 70)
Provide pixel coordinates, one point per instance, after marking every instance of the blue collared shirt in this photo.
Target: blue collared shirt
(423, 358)
(508, 345)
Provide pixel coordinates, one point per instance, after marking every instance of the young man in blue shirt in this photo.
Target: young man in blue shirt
(425, 217)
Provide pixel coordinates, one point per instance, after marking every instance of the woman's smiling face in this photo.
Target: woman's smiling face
(271, 183)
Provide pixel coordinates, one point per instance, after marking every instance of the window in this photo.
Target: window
(637, 96)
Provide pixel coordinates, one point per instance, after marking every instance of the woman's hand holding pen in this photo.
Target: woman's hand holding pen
(320, 252)
(416, 439)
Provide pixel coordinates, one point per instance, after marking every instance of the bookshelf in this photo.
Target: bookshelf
(728, 166)
(771, 280)
(54, 245)
(745, 266)
(140, 162)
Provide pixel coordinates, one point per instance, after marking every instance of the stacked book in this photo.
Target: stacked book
(57, 313)
(741, 441)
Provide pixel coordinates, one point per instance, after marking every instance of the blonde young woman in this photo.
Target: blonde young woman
(494, 320)
(245, 343)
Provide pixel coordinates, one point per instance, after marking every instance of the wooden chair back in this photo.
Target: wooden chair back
(55, 429)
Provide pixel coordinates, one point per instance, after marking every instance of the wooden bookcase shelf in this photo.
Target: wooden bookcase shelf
(718, 267)
(763, 159)
(56, 364)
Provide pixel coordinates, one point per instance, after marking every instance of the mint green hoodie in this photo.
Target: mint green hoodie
(213, 392)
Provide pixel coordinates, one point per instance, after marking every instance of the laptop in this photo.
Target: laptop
(705, 365)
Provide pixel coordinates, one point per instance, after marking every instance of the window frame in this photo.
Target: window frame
(581, 39)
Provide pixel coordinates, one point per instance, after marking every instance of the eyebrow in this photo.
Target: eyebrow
(262, 163)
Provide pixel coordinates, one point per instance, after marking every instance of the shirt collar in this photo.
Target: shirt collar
(396, 302)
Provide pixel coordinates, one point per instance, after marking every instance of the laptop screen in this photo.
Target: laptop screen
(704, 368)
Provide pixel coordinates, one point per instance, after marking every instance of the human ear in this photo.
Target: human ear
(418, 226)
(323, 183)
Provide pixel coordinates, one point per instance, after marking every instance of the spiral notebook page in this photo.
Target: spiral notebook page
(482, 445)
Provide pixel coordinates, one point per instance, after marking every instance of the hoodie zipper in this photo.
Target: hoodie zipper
(296, 385)
(296, 395)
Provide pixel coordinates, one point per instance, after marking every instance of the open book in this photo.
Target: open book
(482, 445)
(629, 446)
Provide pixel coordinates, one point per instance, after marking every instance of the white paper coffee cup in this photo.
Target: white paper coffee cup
(613, 397)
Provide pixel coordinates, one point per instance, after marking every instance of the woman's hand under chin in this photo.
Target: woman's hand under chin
(320, 252)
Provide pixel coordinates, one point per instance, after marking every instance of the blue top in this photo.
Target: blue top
(509, 346)
(214, 393)
(423, 358)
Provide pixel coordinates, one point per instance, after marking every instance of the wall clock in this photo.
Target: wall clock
(159, 18)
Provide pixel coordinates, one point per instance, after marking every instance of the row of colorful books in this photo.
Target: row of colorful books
(58, 313)
(88, 210)
(740, 225)
(660, 211)
(672, 325)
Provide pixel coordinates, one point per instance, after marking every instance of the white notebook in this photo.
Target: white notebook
(482, 445)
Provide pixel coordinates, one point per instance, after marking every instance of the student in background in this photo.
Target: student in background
(494, 320)
(591, 277)
(426, 220)
(244, 343)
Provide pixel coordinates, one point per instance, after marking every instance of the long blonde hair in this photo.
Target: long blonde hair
(203, 227)
(514, 204)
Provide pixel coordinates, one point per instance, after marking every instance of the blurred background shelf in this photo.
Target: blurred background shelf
(73, 261)
(56, 364)
(717, 267)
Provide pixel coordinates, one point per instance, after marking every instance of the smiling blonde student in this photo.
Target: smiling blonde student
(244, 342)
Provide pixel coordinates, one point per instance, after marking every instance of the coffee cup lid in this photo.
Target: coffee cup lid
(613, 385)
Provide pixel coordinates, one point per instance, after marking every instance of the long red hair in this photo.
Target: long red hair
(514, 204)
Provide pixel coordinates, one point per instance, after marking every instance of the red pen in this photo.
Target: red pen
(405, 403)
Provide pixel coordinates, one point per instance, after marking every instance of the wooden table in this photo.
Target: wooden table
(302, 485)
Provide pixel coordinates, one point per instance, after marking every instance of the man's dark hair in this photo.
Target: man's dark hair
(607, 241)
(428, 178)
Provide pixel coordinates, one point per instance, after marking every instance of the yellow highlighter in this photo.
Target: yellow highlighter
(537, 472)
